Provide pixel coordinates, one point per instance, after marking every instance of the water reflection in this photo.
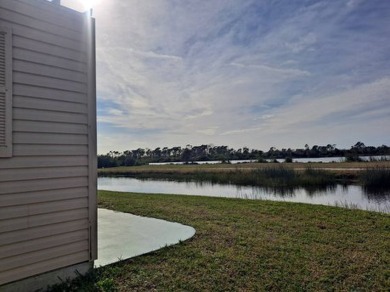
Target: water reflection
(337, 194)
(380, 195)
(289, 192)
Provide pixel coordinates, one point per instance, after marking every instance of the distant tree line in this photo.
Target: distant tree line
(224, 153)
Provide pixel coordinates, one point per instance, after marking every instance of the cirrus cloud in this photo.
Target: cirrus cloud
(251, 73)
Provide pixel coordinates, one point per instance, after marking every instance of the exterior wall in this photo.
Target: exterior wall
(48, 185)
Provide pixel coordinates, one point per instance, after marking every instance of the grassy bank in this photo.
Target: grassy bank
(244, 245)
(341, 167)
(277, 177)
(266, 175)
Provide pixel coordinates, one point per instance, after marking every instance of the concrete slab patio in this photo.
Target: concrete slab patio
(122, 235)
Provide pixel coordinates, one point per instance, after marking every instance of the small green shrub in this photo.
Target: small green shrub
(106, 285)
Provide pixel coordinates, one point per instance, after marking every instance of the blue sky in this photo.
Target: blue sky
(240, 73)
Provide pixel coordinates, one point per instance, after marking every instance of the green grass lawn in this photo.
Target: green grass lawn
(245, 245)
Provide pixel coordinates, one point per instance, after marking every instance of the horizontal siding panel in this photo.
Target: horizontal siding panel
(41, 267)
(19, 174)
(43, 243)
(49, 60)
(42, 40)
(38, 23)
(44, 127)
(40, 256)
(49, 150)
(50, 71)
(42, 196)
(41, 208)
(49, 138)
(40, 220)
(49, 116)
(45, 37)
(47, 93)
(53, 49)
(47, 82)
(42, 185)
(64, 19)
(14, 237)
(45, 161)
(28, 30)
(48, 104)
(58, 10)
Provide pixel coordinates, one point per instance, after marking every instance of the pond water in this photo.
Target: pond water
(352, 196)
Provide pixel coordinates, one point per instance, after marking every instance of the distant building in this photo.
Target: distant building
(48, 213)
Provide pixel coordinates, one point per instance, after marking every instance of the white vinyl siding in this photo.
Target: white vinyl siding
(48, 185)
(5, 92)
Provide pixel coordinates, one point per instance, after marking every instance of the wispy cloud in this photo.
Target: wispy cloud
(250, 72)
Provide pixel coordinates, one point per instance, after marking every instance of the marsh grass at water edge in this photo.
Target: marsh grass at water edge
(275, 176)
(376, 178)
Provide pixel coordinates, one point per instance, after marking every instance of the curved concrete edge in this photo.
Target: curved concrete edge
(123, 235)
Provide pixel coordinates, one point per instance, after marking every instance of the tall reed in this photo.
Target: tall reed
(376, 177)
(276, 177)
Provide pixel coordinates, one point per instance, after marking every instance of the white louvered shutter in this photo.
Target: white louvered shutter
(5, 93)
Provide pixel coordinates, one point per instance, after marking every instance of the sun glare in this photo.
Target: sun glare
(89, 4)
